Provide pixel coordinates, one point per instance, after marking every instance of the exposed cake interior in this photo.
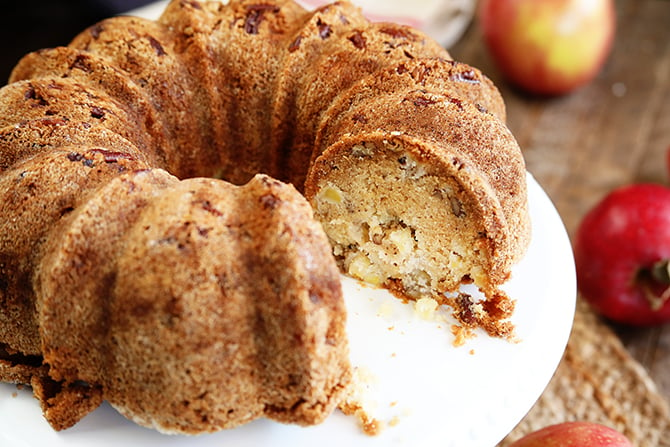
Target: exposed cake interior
(394, 221)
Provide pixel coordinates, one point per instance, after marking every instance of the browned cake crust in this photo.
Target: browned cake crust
(420, 185)
(192, 304)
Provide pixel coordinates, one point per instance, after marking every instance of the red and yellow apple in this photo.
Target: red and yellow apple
(582, 434)
(548, 47)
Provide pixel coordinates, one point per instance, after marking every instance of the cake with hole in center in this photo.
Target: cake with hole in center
(156, 251)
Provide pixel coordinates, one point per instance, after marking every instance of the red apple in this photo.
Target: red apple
(577, 434)
(622, 249)
(548, 47)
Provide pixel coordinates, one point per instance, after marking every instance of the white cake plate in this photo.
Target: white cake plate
(424, 390)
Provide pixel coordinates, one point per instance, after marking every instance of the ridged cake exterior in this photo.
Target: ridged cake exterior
(128, 273)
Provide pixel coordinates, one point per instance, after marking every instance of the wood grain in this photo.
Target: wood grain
(613, 131)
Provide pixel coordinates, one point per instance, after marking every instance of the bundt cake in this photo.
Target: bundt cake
(152, 250)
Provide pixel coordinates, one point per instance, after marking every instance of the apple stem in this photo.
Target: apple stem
(660, 272)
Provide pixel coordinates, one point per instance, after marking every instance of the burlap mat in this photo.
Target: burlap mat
(598, 381)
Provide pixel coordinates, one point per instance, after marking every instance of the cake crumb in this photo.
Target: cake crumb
(370, 426)
(461, 334)
(359, 403)
(491, 315)
(425, 308)
(385, 310)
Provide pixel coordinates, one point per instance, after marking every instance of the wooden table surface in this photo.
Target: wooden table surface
(612, 132)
